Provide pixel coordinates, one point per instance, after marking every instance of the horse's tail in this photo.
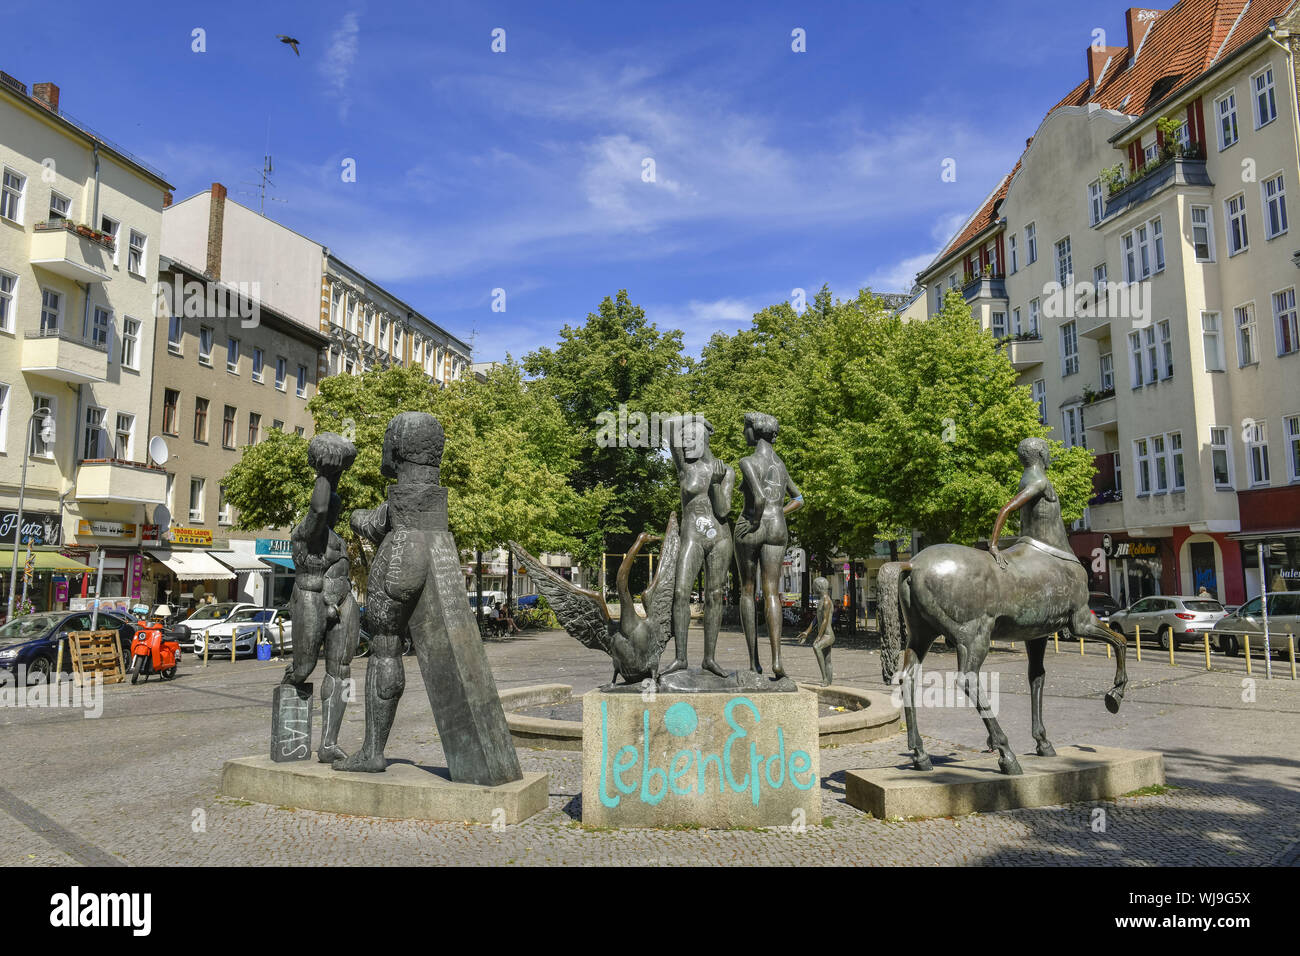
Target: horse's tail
(891, 640)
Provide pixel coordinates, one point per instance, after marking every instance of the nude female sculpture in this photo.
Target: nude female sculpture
(324, 610)
(761, 533)
(819, 630)
(705, 536)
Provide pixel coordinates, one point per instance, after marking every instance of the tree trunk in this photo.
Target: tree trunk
(478, 587)
(510, 581)
(853, 597)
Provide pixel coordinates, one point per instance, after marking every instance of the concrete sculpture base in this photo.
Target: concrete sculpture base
(969, 786)
(403, 791)
(700, 759)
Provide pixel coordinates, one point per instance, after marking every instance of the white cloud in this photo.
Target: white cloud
(339, 59)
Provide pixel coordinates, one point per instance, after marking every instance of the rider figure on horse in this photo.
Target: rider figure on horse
(1041, 526)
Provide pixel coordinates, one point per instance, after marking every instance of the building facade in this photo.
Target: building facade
(80, 224)
(1138, 268)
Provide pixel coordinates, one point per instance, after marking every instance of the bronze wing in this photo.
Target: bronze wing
(658, 597)
(580, 612)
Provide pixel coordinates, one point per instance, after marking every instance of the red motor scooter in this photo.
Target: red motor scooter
(152, 653)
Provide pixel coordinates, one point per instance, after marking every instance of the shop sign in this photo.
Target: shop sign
(137, 571)
(281, 547)
(61, 590)
(1136, 549)
(41, 527)
(151, 534)
(191, 536)
(105, 529)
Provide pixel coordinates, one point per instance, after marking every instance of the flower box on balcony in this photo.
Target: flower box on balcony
(84, 231)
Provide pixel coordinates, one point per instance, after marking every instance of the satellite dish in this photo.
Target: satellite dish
(162, 516)
(158, 450)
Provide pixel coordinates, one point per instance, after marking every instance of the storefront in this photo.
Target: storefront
(278, 553)
(1281, 568)
(48, 588)
(1132, 568)
(252, 574)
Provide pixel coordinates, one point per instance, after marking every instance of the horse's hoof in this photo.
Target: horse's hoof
(1045, 749)
(922, 763)
(1010, 766)
(1112, 703)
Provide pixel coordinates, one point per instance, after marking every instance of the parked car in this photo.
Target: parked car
(207, 616)
(1283, 619)
(1170, 617)
(31, 642)
(245, 625)
(1102, 605)
(490, 599)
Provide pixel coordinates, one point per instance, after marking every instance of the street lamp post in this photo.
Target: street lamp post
(47, 437)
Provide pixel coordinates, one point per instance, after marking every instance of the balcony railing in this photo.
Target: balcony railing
(1024, 351)
(85, 232)
(985, 286)
(1185, 170)
(114, 479)
(58, 354)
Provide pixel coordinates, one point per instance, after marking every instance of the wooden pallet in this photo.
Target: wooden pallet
(96, 652)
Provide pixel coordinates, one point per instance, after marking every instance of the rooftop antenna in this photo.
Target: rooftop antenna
(265, 180)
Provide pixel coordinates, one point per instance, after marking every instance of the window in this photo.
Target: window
(38, 445)
(1072, 416)
(1226, 110)
(1202, 234)
(281, 370)
(1064, 263)
(51, 310)
(1291, 427)
(92, 445)
(299, 431)
(110, 227)
(1142, 459)
(1265, 100)
(174, 335)
(224, 514)
(123, 436)
(1013, 253)
(258, 361)
(1212, 337)
(1176, 461)
(1144, 251)
(999, 327)
(1275, 222)
(205, 345)
(277, 424)
(1069, 349)
(196, 499)
(1099, 279)
(1161, 464)
(100, 324)
(1031, 244)
(4, 414)
(135, 254)
(301, 389)
(58, 207)
(1151, 150)
(1107, 372)
(1245, 315)
(1255, 437)
(11, 196)
(254, 427)
(1220, 457)
(1135, 358)
(131, 343)
(8, 288)
(171, 400)
(1096, 205)
(1153, 355)
(370, 319)
(336, 307)
(1166, 349)
(228, 427)
(232, 355)
(1015, 330)
(1033, 317)
(201, 419)
(1284, 317)
(1238, 238)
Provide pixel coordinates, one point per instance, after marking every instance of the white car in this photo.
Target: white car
(208, 616)
(245, 626)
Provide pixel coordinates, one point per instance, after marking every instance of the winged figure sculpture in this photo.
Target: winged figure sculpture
(634, 642)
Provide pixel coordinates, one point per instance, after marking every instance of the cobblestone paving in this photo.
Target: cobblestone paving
(74, 790)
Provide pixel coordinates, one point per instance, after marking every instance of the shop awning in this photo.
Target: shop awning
(282, 562)
(241, 562)
(43, 561)
(194, 565)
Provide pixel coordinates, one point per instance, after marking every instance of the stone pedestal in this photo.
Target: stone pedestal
(968, 786)
(291, 708)
(403, 791)
(705, 759)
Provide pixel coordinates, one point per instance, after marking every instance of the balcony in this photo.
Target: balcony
(1024, 353)
(1108, 516)
(62, 356)
(1173, 170)
(984, 287)
(1102, 415)
(74, 252)
(128, 482)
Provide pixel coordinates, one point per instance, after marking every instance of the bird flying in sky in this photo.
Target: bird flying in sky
(289, 40)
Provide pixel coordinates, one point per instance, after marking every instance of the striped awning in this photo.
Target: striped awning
(43, 561)
(194, 565)
(241, 561)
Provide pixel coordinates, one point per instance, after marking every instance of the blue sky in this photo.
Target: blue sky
(523, 170)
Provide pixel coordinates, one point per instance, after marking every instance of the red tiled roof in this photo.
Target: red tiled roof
(1175, 50)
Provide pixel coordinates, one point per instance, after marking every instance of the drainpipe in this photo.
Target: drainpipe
(1276, 37)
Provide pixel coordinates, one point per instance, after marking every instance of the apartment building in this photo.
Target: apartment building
(1138, 266)
(80, 222)
(227, 370)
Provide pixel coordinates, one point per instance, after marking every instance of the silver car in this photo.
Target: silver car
(1283, 620)
(1178, 618)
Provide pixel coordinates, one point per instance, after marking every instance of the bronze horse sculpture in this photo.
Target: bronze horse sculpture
(974, 597)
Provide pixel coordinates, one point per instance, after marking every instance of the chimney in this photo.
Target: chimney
(167, 199)
(216, 229)
(1138, 20)
(1097, 59)
(47, 94)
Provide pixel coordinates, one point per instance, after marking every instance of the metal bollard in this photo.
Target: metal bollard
(206, 645)
(1080, 647)
(279, 646)
(1246, 635)
(233, 635)
(1207, 650)
(1056, 640)
(1137, 641)
(58, 664)
(1172, 645)
(1107, 652)
(1290, 646)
